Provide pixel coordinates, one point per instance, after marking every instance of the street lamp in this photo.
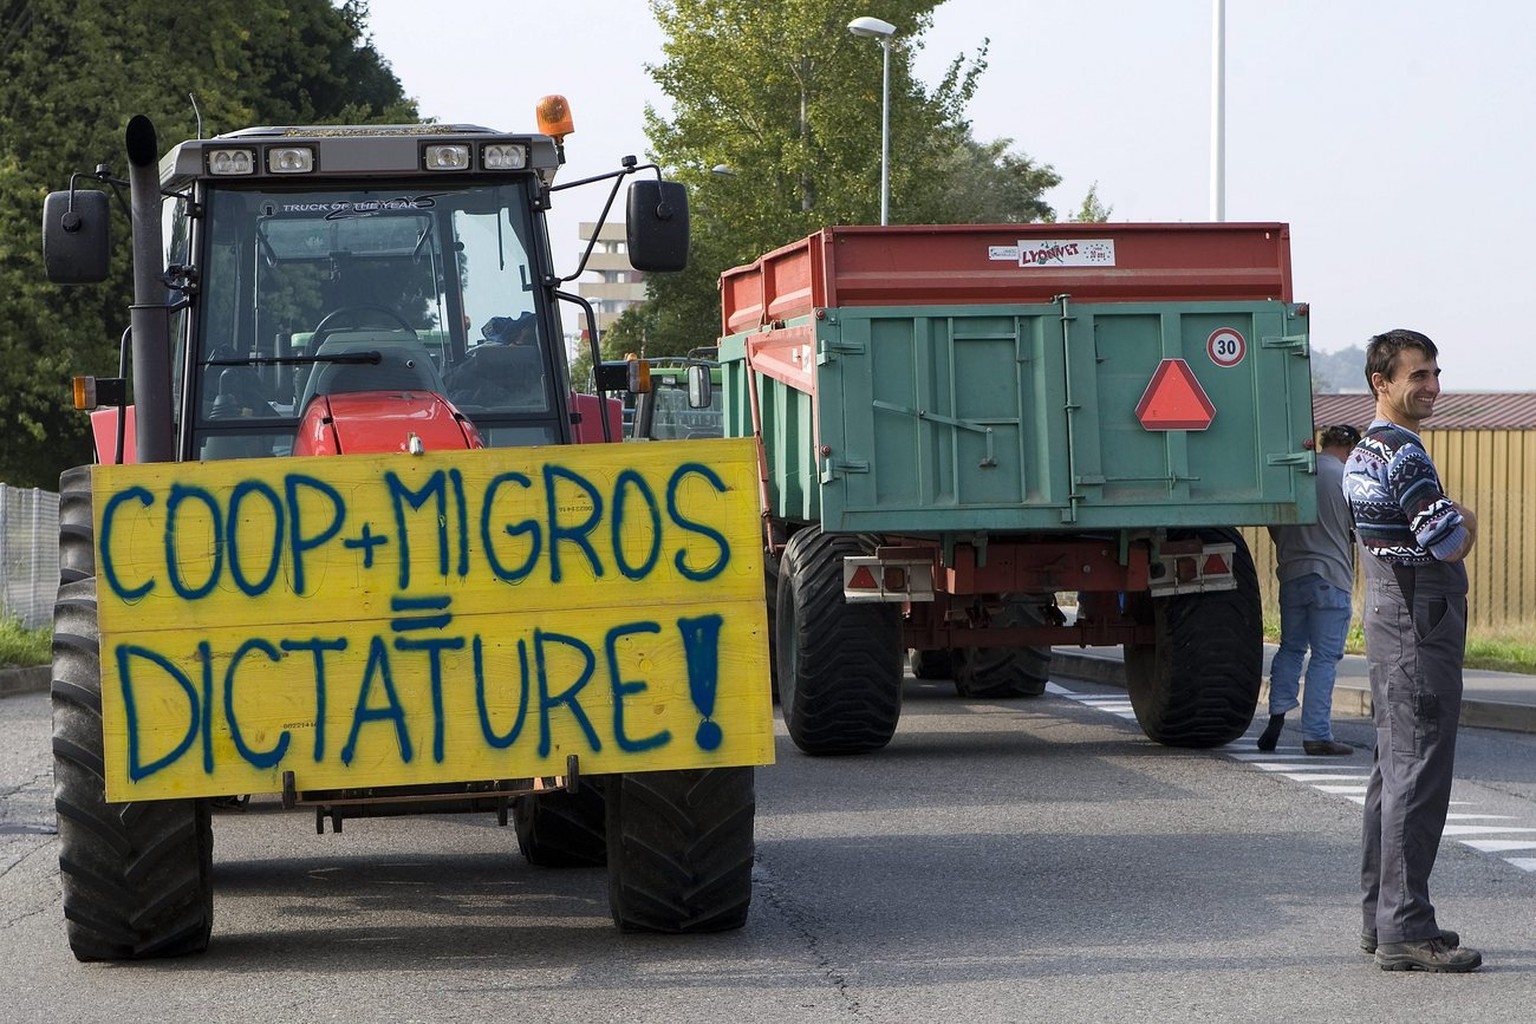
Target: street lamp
(874, 28)
(1218, 110)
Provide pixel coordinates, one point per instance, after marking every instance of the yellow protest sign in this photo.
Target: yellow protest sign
(447, 617)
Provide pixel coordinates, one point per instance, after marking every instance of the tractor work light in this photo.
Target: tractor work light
(231, 162)
(554, 117)
(504, 156)
(446, 157)
(291, 160)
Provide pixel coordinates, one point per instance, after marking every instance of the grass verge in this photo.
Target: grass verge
(24, 648)
(1509, 649)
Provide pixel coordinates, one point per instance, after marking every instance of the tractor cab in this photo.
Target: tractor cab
(342, 290)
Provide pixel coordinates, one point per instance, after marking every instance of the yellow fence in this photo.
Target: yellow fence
(1493, 472)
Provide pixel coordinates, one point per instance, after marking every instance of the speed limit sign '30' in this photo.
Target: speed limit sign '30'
(1226, 346)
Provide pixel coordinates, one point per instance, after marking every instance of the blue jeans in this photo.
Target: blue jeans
(1313, 614)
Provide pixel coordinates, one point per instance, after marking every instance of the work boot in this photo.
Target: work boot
(1429, 955)
(1326, 748)
(1271, 734)
(1368, 939)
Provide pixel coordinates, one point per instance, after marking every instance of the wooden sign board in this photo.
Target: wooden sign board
(453, 616)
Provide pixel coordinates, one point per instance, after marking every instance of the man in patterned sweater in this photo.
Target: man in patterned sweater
(1412, 542)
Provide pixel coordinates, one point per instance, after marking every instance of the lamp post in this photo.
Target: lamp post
(874, 28)
(1218, 110)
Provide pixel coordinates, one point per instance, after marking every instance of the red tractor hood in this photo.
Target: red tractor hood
(365, 422)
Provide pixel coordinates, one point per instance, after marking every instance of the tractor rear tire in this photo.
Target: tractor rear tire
(562, 830)
(989, 673)
(136, 877)
(839, 664)
(680, 849)
(1197, 685)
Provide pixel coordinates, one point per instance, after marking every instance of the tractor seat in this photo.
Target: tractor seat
(404, 365)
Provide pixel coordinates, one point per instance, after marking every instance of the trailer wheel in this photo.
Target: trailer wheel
(839, 664)
(933, 663)
(1197, 685)
(562, 830)
(680, 849)
(993, 672)
(136, 877)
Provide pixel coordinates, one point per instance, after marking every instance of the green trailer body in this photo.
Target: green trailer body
(943, 420)
(958, 424)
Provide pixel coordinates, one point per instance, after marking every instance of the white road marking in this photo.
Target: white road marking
(1281, 762)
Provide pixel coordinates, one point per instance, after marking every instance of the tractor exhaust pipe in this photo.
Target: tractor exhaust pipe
(150, 313)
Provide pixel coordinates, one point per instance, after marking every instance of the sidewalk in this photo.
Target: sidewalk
(1491, 700)
(24, 680)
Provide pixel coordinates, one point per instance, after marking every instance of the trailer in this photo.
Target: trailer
(977, 442)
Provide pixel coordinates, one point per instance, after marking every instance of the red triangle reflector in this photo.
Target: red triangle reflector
(863, 579)
(1174, 400)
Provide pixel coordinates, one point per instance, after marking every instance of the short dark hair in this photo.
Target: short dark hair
(1381, 352)
(1341, 435)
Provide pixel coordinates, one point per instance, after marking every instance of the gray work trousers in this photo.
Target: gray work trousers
(1415, 639)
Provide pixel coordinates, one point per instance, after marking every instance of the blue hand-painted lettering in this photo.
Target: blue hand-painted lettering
(624, 687)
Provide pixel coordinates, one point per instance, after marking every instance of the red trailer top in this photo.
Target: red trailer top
(968, 264)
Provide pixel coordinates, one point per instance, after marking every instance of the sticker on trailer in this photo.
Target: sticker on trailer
(1067, 252)
(1007, 253)
(1226, 346)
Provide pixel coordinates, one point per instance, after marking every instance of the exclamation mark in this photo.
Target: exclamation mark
(701, 648)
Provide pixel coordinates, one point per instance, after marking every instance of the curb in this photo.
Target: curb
(1109, 670)
(16, 681)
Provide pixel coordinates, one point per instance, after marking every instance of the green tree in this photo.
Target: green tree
(1092, 211)
(72, 72)
(787, 99)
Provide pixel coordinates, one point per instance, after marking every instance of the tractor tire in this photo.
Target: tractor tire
(680, 849)
(137, 877)
(77, 529)
(839, 664)
(933, 663)
(1197, 685)
(989, 673)
(562, 830)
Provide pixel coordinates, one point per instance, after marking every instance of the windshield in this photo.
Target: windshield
(673, 419)
(441, 284)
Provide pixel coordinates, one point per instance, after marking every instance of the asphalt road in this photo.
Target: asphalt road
(999, 862)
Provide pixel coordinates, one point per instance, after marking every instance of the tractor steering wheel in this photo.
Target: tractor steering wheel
(354, 316)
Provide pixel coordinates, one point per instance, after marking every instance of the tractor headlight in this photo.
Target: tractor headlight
(446, 157)
(291, 160)
(231, 162)
(504, 156)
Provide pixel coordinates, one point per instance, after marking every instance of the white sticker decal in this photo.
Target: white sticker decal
(1067, 252)
(1003, 252)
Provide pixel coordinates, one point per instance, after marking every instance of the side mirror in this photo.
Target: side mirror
(657, 221)
(700, 389)
(76, 245)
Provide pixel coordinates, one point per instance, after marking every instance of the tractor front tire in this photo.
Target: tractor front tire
(136, 877)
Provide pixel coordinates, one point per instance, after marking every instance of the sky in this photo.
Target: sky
(1395, 137)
